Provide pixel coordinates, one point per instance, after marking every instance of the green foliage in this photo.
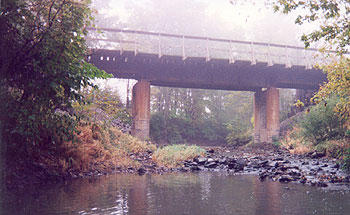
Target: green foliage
(338, 84)
(331, 14)
(334, 31)
(156, 127)
(101, 104)
(43, 67)
(187, 115)
(346, 160)
(239, 133)
(173, 155)
(322, 123)
(286, 100)
(176, 130)
(182, 130)
(327, 121)
(276, 141)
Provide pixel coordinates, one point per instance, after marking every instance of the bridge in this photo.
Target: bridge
(172, 60)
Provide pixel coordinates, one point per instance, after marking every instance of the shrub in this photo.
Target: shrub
(157, 127)
(323, 123)
(43, 67)
(172, 155)
(240, 134)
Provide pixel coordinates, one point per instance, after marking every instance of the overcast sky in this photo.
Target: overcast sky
(219, 18)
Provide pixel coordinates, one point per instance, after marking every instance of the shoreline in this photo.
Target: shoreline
(266, 161)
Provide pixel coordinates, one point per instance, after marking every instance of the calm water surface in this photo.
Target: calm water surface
(175, 193)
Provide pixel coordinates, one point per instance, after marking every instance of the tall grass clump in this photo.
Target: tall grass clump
(172, 155)
(99, 148)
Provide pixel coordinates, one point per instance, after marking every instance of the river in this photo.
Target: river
(174, 193)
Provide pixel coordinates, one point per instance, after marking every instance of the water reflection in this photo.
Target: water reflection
(269, 197)
(175, 193)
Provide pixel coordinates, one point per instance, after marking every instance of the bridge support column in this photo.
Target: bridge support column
(272, 114)
(266, 115)
(141, 109)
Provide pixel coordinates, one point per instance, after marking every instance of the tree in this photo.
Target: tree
(334, 31)
(43, 67)
(187, 115)
(332, 15)
(102, 104)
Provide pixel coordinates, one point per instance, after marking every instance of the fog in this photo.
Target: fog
(245, 20)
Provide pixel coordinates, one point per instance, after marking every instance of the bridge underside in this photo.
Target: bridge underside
(173, 71)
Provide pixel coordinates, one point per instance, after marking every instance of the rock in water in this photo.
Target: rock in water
(200, 160)
(141, 171)
(285, 178)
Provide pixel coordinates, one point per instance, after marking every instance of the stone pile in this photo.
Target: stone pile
(125, 128)
(313, 169)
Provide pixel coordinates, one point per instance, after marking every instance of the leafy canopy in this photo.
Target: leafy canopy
(43, 66)
(332, 15)
(334, 30)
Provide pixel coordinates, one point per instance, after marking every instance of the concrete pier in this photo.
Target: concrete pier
(141, 109)
(266, 115)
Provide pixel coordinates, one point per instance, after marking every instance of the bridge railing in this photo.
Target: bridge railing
(203, 47)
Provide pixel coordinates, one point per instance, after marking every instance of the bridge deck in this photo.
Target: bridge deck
(196, 72)
(201, 62)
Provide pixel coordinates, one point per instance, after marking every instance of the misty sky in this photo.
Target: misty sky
(219, 18)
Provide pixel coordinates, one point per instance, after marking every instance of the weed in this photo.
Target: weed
(172, 155)
(101, 149)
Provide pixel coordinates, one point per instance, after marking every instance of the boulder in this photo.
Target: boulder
(285, 178)
(200, 160)
(211, 165)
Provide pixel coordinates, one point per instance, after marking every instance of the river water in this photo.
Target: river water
(175, 193)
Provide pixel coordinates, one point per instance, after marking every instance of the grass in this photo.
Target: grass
(99, 148)
(102, 149)
(298, 145)
(172, 155)
(294, 142)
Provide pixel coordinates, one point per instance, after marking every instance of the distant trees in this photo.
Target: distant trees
(102, 105)
(193, 115)
(43, 67)
(190, 115)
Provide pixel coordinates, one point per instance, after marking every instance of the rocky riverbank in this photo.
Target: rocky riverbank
(266, 161)
(277, 165)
